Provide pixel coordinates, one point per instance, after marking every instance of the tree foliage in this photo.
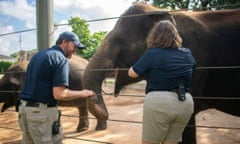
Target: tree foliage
(14, 55)
(195, 4)
(4, 65)
(90, 41)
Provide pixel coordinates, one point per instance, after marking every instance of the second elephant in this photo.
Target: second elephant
(12, 82)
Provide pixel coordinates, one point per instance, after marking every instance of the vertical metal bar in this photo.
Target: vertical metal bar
(45, 24)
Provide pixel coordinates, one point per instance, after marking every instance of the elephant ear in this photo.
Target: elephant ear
(14, 80)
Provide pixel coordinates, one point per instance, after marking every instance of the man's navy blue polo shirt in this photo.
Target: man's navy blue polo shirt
(47, 69)
(163, 67)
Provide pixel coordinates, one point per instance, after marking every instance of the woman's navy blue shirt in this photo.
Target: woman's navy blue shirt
(47, 69)
(163, 68)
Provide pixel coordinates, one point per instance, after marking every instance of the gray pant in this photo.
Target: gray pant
(165, 117)
(36, 124)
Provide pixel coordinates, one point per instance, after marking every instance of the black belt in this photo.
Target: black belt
(171, 90)
(36, 104)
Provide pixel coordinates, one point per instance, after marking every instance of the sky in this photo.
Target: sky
(20, 15)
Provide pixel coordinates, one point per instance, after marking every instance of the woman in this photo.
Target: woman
(167, 67)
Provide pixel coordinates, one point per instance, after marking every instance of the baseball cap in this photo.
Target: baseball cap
(71, 36)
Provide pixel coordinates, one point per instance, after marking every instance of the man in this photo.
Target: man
(47, 80)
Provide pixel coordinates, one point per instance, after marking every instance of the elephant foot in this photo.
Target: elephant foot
(82, 128)
(101, 125)
(4, 107)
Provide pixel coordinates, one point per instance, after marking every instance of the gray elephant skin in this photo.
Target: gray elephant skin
(12, 82)
(213, 37)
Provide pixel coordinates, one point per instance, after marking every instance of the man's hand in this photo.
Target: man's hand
(63, 93)
(87, 93)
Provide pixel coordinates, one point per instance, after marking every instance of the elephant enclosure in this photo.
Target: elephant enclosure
(124, 124)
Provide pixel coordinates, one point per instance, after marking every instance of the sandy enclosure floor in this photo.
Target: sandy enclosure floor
(124, 124)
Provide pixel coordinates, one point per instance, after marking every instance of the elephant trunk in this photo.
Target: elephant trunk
(92, 80)
(96, 104)
(99, 110)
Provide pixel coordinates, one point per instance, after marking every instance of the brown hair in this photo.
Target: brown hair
(165, 35)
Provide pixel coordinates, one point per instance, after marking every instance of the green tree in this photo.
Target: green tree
(195, 4)
(4, 65)
(14, 55)
(90, 41)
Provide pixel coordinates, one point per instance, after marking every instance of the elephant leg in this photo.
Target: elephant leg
(189, 134)
(101, 124)
(100, 112)
(7, 104)
(83, 119)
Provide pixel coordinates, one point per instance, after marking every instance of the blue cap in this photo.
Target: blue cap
(71, 36)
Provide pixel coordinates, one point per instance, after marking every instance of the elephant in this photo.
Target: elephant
(12, 82)
(212, 36)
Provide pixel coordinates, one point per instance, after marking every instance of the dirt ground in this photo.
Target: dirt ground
(124, 124)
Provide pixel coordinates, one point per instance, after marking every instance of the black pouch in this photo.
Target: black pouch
(181, 93)
(56, 125)
(181, 90)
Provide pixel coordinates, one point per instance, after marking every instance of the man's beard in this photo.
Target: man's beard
(68, 55)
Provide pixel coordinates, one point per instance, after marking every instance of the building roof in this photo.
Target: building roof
(5, 57)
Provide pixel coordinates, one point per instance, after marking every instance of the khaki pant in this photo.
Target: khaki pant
(165, 117)
(36, 124)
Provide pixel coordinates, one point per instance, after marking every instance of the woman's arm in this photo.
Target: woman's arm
(132, 73)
